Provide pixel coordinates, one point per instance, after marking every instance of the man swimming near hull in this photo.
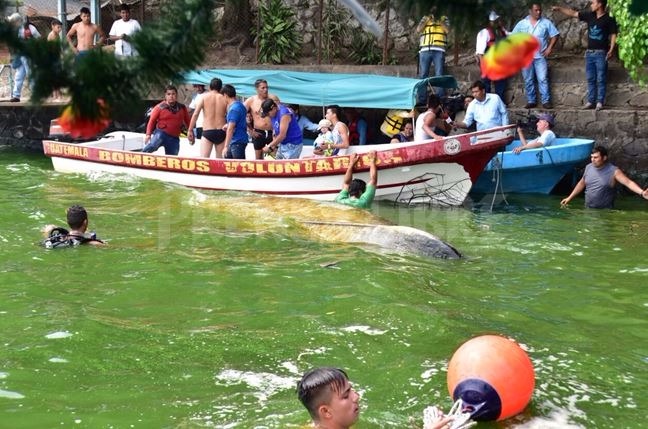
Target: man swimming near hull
(214, 108)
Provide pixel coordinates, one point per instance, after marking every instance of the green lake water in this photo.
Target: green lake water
(206, 308)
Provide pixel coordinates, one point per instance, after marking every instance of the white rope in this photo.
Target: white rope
(432, 415)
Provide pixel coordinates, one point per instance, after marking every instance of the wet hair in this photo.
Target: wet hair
(259, 82)
(125, 7)
(228, 90)
(317, 385)
(84, 10)
(357, 187)
(478, 84)
(601, 150)
(170, 88)
(216, 84)
(55, 22)
(76, 215)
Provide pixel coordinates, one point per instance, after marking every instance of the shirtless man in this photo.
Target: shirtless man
(260, 129)
(214, 107)
(85, 32)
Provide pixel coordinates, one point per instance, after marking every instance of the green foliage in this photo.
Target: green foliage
(364, 49)
(632, 39)
(278, 38)
(335, 30)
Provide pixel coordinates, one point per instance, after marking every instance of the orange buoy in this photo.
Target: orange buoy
(493, 377)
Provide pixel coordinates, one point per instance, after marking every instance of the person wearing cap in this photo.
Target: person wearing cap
(323, 144)
(121, 32)
(486, 38)
(544, 125)
(599, 182)
(547, 34)
(286, 132)
(20, 63)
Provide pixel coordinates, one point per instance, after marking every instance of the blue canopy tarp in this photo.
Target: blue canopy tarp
(322, 89)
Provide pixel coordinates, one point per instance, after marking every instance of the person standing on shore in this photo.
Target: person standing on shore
(121, 32)
(486, 38)
(547, 34)
(433, 42)
(20, 63)
(599, 181)
(85, 32)
(602, 34)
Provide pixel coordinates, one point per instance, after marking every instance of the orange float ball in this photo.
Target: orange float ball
(493, 376)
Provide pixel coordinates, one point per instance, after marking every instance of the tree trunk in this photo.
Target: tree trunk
(237, 21)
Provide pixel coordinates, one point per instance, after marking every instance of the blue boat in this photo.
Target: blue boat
(533, 171)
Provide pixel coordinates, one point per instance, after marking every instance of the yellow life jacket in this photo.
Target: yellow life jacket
(433, 34)
(394, 122)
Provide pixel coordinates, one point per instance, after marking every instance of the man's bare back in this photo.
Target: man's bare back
(214, 110)
(85, 32)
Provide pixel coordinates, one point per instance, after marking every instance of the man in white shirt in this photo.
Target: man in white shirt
(122, 30)
(487, 110)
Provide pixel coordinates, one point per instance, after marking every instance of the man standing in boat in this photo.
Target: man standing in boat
(487, 109)
(165, 124)
(236, 137)
(259, 128)
(213, 106)
(599, 181)
(287, 134)
(356, 192)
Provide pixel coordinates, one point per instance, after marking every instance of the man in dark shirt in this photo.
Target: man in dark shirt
(601, 40)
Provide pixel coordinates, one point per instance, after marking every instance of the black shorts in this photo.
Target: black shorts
(215, 136)
(261, 141)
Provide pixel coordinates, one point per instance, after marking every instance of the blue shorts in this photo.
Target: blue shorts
(160, 138)
(289, 150)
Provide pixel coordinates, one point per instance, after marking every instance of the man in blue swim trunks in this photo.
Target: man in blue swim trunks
(356, 192)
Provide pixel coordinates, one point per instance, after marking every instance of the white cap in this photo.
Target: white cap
(14, 17)
(492, 16)
(324, 123)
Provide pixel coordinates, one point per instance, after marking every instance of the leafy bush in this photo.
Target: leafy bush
(278, 39)
(632, 39)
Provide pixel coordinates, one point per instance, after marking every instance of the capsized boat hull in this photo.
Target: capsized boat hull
(440, 172)
(533, 170)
